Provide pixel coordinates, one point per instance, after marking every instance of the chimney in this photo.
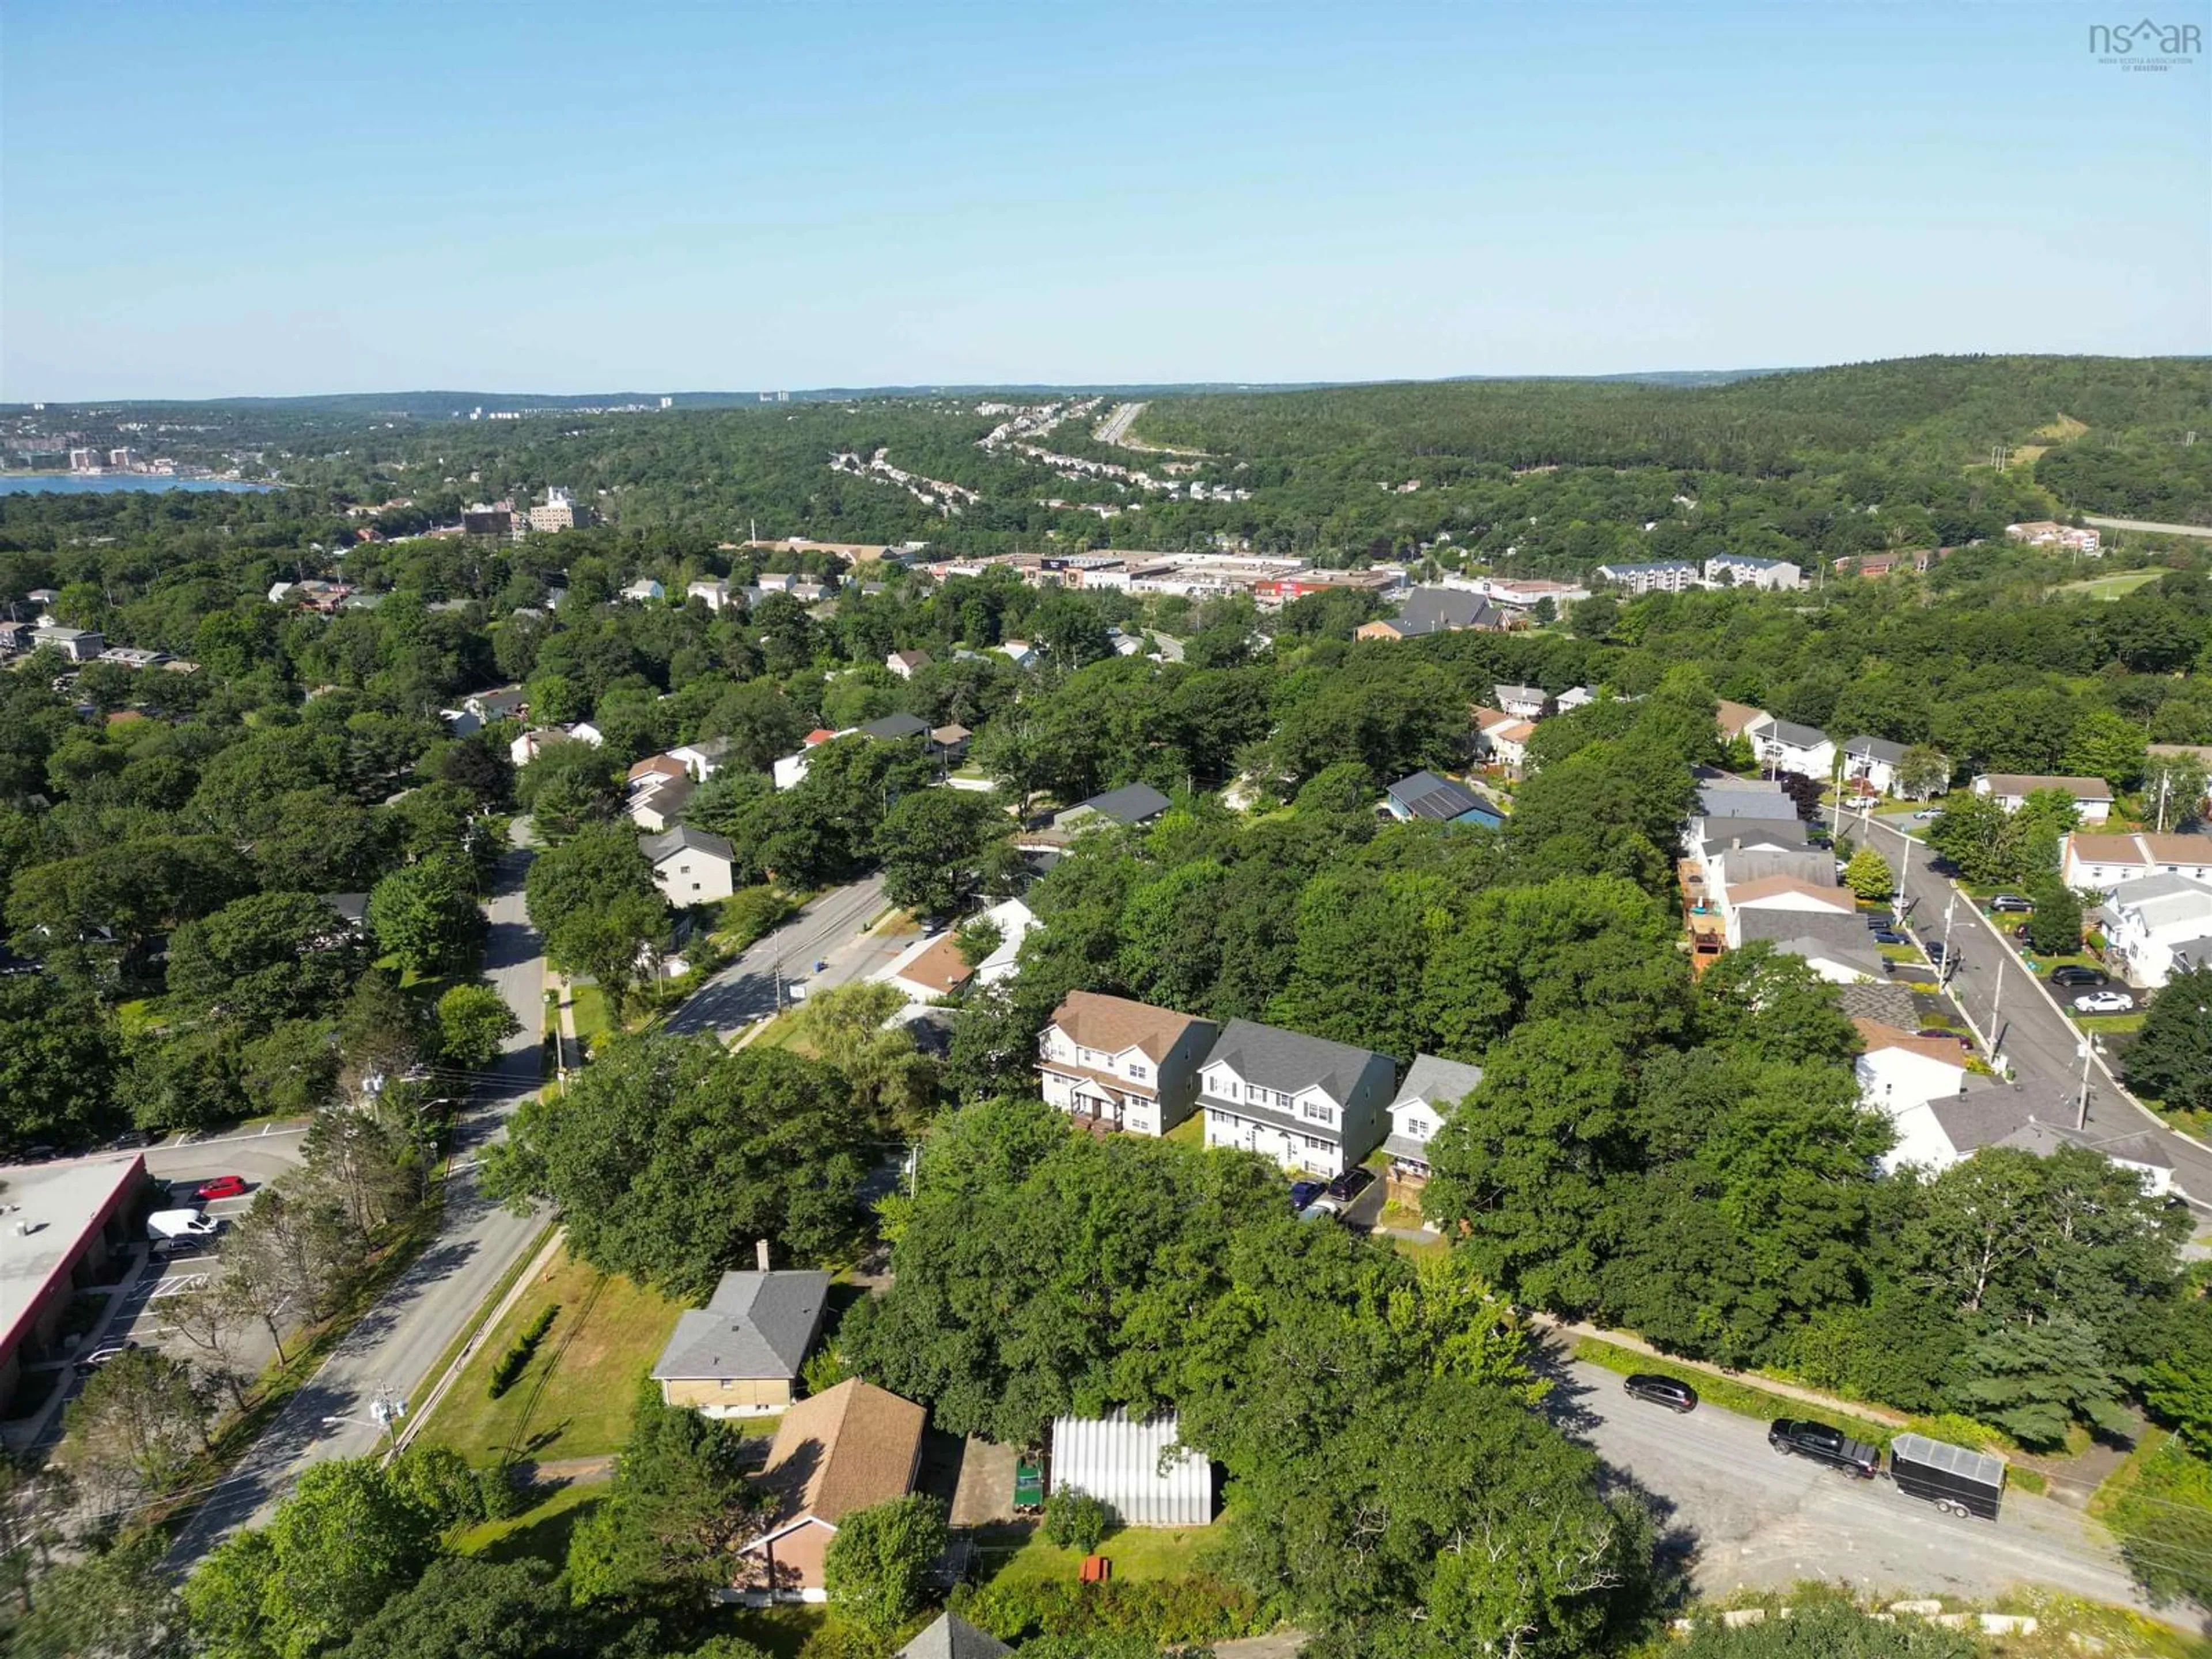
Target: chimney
(760, 1252)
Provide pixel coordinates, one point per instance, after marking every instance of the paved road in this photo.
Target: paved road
(2041, 1044)
(2147, 523)
(394, 1346)
(1742, 1514)
(828, 930)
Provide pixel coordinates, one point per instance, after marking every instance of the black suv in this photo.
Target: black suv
(1802, 1437)
(1665, 1391)
(1352, 1183)
(2075, 976)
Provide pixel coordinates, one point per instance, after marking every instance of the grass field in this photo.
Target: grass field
(539, 1533)
(591, 1014)
(2114, 587)
(1018, 1551)
(573, 1399)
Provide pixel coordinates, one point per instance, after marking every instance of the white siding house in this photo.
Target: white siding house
(1305, 1103)
(1118, 1064)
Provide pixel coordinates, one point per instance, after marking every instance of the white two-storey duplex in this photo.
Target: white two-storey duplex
(1113, 1064)
(1307, 1103)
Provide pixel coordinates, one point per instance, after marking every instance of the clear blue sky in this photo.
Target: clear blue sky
(218, 196)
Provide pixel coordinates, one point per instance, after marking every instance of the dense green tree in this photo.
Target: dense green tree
(338, 1549)
(271, 956)
(680, 1502)
(474, 1023)
(426, 915)
(711, 1151)
(594, 900)
(116, 1601)
(1826, 1628)
(877, 1563)
(465, 1607)
(569, 785)
(2171, 1059)
(933, 846)
(57, 1062)
(2054, 929)
(1869, 876)
(1372, 1534)
(139, 1418)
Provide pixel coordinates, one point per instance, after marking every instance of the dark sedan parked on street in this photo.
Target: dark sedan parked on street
(1671, 1392)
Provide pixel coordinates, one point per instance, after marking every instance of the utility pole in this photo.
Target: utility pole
(2081, 1121)
(1950, 957)
(2165, 780)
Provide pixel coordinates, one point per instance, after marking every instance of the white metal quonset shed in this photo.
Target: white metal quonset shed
(1120, 1461)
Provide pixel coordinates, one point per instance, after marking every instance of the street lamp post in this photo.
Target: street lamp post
(2081, 1118)
(385, 1411)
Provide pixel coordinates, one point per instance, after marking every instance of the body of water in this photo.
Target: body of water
(77, 484)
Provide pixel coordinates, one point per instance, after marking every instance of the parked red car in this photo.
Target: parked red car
(221, 1187)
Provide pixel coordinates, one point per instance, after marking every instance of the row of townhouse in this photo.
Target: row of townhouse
(1722, 570)
(1866, 764)
(1750, 870)
(1303, 1102)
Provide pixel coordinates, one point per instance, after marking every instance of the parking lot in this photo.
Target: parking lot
(145, 1283)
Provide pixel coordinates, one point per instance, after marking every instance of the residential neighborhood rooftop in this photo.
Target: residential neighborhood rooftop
(754, 1325)
(1288, 1060)
(1113, 1024)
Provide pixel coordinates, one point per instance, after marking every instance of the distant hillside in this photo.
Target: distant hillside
(1952, 409)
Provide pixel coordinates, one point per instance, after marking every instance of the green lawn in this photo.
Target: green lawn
(1019, 1551)
(2112, 586)
(2107, 1024)
(1191, 1132)
(591, 1014)
(541, 1532)
(574, 1400)
(779, 1632)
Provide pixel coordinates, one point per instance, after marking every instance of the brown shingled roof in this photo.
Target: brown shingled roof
(940, 968)
(1879, 1035)
(1111, 1024)
(846, 1450)
(1769, 887)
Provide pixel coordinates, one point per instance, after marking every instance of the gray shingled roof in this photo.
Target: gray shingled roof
(1289, 1060)
(1435, 1082)
(1719, 802)
(754, 1325)
(1987, 1113)
(1847, 932)
(1797, 737)
(1439, 610)
(1722, 834)
(953, 1638)
(895, 726)
(2044, 1138)
(1885, 1001)
(1880, 749)
(1133, 803)
(684, 839)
